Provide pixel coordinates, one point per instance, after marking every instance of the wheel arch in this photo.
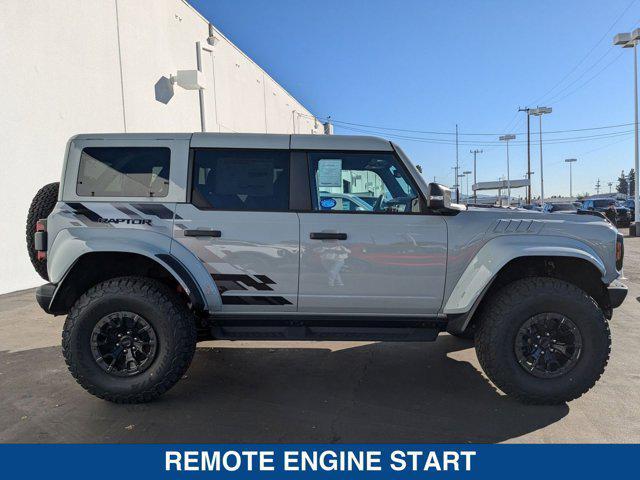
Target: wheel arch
(84, 258)
(502, 262)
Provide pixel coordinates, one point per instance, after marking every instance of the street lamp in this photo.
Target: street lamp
(455, 178)
(475, 154)
(538, 112)
(506, 138)
(570, 161)
(466, 173)
(630, 40)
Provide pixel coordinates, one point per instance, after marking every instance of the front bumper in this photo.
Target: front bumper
(44, 295)
(617, 293)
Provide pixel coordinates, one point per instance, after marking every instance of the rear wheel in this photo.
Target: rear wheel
(41, 206)
(129, 340)
(543, 340)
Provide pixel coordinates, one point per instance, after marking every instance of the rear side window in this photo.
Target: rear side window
(124, 172)
(256, 180)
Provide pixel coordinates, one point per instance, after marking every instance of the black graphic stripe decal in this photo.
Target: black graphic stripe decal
(154, 209)
(80, 209)
(232, 281)
(127, 211)
(253, 300)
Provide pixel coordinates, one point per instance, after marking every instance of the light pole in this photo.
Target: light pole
(506, 138)
(538, 112)
(570, 161)
(466, 173)
(455, 178)
(460, 175)
(528, 175)
(630, 40)
(610, 183)
(475, 154)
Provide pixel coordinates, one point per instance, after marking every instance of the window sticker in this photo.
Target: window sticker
(328, 203)
(330, 173)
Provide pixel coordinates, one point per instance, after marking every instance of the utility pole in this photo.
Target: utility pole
(526, 110)
(598, 187)
(466, 173)
(475, 153)
(457, 167)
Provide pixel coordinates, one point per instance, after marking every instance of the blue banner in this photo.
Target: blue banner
(269, 461)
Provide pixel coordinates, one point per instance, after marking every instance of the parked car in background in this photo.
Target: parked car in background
(559, 207)
(623, 214)
(532, 207)
(631, 205)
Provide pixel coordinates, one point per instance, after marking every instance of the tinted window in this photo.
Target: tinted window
(563, 207)
(124, 172)
(602, 203)
(241, 179)
(360, 182)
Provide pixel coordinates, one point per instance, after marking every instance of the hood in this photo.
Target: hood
(520, 213)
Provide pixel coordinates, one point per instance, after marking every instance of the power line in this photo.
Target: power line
(441, 141)
(558, 100)
(430, 132)
(591, 50)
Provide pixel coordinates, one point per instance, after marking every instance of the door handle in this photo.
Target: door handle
(202, 233)
(327, 236)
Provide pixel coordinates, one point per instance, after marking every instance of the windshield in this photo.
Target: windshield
(602, 203)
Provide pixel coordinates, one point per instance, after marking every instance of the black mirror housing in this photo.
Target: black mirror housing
(438, 197)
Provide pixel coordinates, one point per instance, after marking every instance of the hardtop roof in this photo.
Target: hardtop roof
(256, 140)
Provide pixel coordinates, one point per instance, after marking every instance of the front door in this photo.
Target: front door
(239, 225)
(366, 248)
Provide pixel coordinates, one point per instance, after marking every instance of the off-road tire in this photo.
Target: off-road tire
(41, 206)
(174, 327)
(505, 314)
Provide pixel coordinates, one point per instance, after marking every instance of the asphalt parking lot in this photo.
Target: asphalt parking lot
(311, 392)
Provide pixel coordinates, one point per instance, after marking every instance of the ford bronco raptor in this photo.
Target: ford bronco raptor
(153, 242)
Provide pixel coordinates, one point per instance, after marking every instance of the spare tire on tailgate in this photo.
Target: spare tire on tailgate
(41, 206)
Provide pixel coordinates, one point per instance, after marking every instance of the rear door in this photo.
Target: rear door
(239, 224)
(382, 256)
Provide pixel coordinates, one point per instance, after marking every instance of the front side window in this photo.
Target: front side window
(124, 172)
(256, 180)
(361, 182)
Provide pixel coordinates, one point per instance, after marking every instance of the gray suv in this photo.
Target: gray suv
(153, 242)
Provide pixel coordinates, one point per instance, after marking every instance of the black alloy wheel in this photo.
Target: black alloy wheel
(123, 344)
(548, 345)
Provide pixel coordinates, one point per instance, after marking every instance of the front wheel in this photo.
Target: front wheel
(129, 340)
(543, 340)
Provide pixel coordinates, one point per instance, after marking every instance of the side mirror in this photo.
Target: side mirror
(438, 197)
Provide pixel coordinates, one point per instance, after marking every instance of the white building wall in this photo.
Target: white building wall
(77, 66)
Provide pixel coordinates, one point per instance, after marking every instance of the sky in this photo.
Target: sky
(426, 66)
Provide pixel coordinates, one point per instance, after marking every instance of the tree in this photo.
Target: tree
(632, 181)
(622, 183)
